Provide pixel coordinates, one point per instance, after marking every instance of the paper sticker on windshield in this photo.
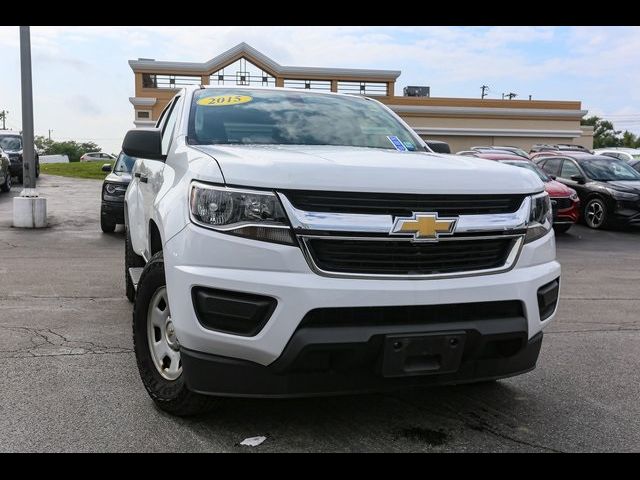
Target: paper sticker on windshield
(224, 100)
(410, 146)
(397, 143)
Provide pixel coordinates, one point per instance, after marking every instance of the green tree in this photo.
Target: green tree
(629, 139)
(72, 149)
(604, 135)
(43, 144)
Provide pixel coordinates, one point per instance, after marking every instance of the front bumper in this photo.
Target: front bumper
(626, 213)
(223, 376)
(198, 257)
(15, 169)
(566, 215)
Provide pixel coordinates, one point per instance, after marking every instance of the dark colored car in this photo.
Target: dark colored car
(438, 146)
(11, 143)
(564, 200)
(609, 189)
(113, 190)
(5, 174)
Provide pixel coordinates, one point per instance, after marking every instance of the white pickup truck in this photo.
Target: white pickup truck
(282, 242)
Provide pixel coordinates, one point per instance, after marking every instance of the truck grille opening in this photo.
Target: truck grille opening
(402, 204)
(411, 314)
(407, 258)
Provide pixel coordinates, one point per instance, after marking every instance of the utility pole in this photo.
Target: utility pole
(29, 210)
(3, 115)
(50, 134)
(484, 89)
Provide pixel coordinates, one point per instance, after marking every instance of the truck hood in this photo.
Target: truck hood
(352, 169)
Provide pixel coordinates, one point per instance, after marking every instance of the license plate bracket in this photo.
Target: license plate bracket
(422, 354)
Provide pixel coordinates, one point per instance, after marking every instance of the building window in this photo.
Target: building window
(363, 88)
(152, 80)
(149, 80)
(242, 72)
(143, 114)
(318, 85)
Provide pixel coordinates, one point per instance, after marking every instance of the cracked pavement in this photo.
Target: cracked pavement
(70, 380)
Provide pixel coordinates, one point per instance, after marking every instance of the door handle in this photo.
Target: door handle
(137, 174)
(144, 179)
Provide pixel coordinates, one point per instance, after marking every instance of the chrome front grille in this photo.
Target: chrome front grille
(354, 244)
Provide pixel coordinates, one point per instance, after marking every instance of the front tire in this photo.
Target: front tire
(156, 346)
(6, 186)
(563, 228)
(107, 224)
(595, 213)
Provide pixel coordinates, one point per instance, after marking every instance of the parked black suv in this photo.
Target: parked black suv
(609, 189)
(113, 190)
(11, 143)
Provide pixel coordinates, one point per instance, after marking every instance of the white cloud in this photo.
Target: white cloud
(598, 65)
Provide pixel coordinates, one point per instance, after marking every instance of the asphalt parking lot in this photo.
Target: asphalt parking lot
(70, 381)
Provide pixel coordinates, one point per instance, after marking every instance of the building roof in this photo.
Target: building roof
(145, 65)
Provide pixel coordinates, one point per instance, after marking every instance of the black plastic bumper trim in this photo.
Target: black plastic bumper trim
(483, 359)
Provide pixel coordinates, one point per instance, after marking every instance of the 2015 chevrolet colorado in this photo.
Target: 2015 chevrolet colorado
(282, 242)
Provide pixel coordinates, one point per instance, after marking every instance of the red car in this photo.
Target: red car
(564, 200)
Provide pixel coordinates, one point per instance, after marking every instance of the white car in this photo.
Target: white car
(621, 153)
(281, 243)
(97, 156)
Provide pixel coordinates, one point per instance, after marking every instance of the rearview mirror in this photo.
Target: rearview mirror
(144, 143)
(578, 179)
(106, 168)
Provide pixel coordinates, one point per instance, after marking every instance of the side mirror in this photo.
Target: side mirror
(144, 143)
(106, 168)
(578, 179)
(552, 177)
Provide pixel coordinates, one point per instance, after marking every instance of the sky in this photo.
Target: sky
(82, 81)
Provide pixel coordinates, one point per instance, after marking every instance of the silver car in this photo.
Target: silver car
(621, 153)
(97, 156)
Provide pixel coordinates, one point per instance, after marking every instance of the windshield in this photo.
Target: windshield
(124, 163)
(607, 170)
(530, 166)
(11, 143)
(239, 116)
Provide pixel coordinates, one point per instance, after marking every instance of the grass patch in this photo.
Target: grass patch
(75, 169)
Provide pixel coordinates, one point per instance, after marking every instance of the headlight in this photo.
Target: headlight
(540, 217)
(114, 192)
(574, 196)
(246, 213)
(618, 195)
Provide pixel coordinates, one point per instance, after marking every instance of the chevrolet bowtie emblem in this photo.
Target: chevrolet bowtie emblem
(425, 227)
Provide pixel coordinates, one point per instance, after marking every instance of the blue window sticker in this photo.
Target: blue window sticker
(397, 143)
(410, 146)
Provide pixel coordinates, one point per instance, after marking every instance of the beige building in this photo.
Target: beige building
(461, 122)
